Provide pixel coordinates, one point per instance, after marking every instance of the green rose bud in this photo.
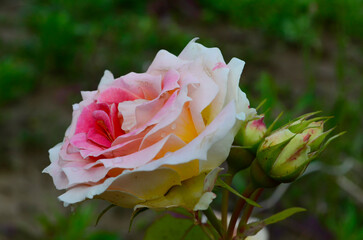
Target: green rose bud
(246, 143)
(284, 155)
(251, 133)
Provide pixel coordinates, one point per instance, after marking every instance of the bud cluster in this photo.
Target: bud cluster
(283, 155)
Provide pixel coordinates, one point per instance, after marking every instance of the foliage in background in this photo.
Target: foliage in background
(75, 226)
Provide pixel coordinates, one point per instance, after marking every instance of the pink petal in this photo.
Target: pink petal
(54, 170)
(98, 138)
(206, 92)
(115, 121)
(104, 118)
(145, 112)
(81, 142)
(127, 111)
(219, 65)
(143, 156)
(120, 149)
(77, 175)
(149, 85)
(169, 112)
(164, 61)
(84, 172)
(116, 95)
(211, 147)
(86, 120)
(170, 80)
(69, 152)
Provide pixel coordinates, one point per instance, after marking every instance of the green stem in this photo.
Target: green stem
(214, 221)
(248, 211)
(225, 198)
(238, 208)
(207, 232)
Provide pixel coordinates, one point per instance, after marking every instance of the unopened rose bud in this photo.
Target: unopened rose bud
(316, 135)
(284, 155)
(251, 133)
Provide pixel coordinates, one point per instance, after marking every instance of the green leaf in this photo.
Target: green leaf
(168, 227)
(331, 139)
(253, 228)
(222, 184)
(134, 214)
(269, 130)
(306, 116)
(315, 154)
(103, 212)
(283, 215)
(261, 104)
(303, 125)
(300, 119)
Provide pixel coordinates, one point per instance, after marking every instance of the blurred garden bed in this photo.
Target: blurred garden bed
(300, 55)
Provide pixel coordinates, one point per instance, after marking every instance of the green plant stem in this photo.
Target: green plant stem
(248, 211)
(238, 208)
(207, 231)
(214, 221)
(225, 198)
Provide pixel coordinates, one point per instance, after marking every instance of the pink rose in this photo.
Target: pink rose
(151, 138)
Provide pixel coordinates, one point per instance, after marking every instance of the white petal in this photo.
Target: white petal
(106, 80)
(204, 201)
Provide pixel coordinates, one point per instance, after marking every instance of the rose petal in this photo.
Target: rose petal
(54, 170)
(235, 93)
(163, 62)
(211, 147)
(116, 95)
(161, 184)
(96, 137)
(81, 142)
(106, 80)
(127, 110)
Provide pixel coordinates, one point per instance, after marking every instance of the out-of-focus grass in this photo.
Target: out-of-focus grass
(76, 226)
(66, 45)
(16, 79)
(300, 22)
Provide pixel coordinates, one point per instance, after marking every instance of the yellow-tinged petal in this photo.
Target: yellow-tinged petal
(186, 170)
(184, 126)
(191, 194)
(186, 195)
(145, 185)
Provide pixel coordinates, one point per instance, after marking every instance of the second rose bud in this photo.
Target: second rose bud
(246, 142)
(284, 155)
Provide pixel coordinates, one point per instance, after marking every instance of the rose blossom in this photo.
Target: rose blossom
(151, 138)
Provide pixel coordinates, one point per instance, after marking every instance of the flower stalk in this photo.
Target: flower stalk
(225, 199)
(248, 211)
(238, 208)
(214, 221)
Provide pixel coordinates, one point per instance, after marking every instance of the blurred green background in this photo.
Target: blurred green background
(301, 55)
